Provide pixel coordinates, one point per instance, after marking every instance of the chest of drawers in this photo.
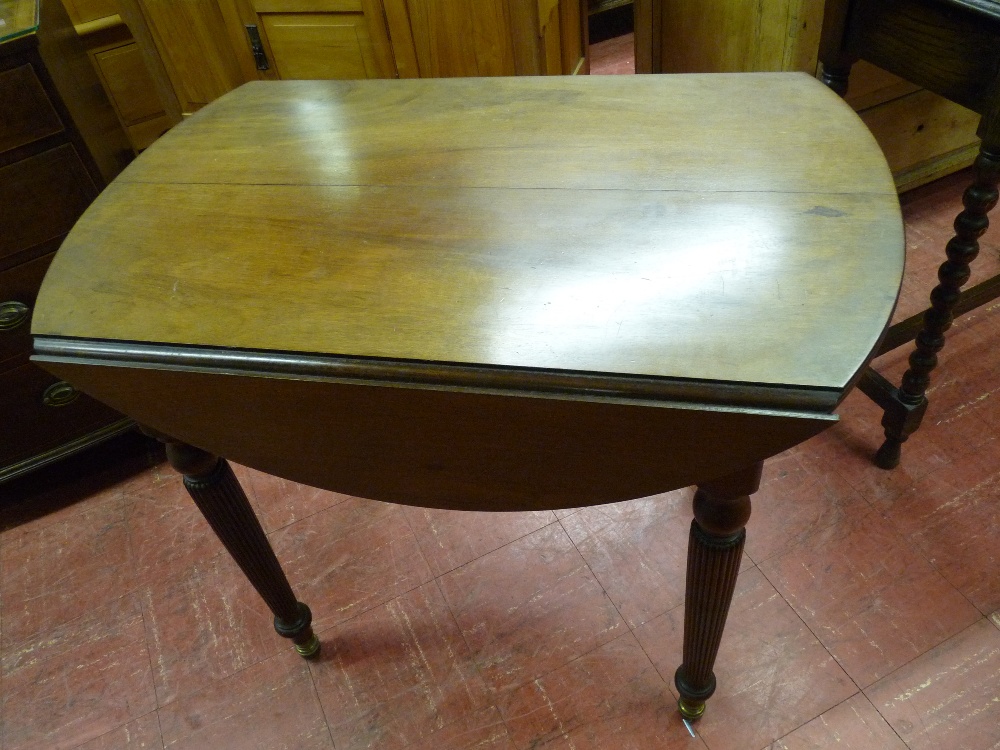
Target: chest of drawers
(57, 148)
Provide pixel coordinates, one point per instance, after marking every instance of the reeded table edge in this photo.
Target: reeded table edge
(412, 373)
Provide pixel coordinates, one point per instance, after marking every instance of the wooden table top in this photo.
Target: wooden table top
(734, 228)
(487, 294)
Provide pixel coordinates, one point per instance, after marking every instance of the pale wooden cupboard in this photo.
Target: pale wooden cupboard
(922, 135)
(196, 50)
(122, 71)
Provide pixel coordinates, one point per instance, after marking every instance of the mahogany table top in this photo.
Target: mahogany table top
(714, 242)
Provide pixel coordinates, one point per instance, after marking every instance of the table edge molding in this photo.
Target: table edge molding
(446, 375)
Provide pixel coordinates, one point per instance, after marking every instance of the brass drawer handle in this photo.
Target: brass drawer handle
(13, 314)
(60, 394)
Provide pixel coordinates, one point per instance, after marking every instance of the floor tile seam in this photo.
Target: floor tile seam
(812, 632)
(924, 555)
(869, 495)
(866, 689)
(668, 681)
(255, 503)
(159, 723)
(597, 580)
(512, 688)
(801, 544)
(115, 729)
(276, 649)
(319, 701)
(376, 605)
(416, 537)
(926, 651)
(276, 529)
(487, 688)
(152, 668)
(34, 637)
(420, 548)
(771, 745)
(162, 581)
(798, 543)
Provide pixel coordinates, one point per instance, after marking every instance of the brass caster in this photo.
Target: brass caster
(309, 649)
(690, 711)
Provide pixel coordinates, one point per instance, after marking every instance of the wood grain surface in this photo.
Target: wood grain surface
(739, 228)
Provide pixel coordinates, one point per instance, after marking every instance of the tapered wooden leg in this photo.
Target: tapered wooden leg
(903, 417)
(218, 494)
(721, 510)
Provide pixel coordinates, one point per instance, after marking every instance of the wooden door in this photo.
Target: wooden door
(454, 38)
(314, 39)
(187, 48)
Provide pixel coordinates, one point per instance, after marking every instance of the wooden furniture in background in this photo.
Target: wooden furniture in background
(187, 50)
(460, 293)
(59, 141)
(950, 47)
(198, 50)
(923, 135)
(124, 74)
(416, 38)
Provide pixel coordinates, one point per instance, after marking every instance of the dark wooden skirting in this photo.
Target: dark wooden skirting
(65, 450)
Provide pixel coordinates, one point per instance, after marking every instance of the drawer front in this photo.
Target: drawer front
(39, 414)
(18, 289)
(27, 115)
(41, 198)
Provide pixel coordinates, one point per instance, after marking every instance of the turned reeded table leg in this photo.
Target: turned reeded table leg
(715, 547)
(217, 492)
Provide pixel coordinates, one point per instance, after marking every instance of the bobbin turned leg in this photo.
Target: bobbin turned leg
(721, 510)
(903, 417)
(218, 494)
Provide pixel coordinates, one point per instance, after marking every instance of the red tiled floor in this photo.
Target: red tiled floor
(167, 534)
(528, 608)
(482, 730)
(397, 674)
(204, 625)
(450, 538)
(612, 697)
(271, 704)
(350, 558)
(79, 681)
(141, 734)
(124, 625)
(52, 572)
(871, 601)
(853, 725)
(796, 500)
(773, 674)
(280, 503)
(951, 517)
(637, 550)
(948, 696)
